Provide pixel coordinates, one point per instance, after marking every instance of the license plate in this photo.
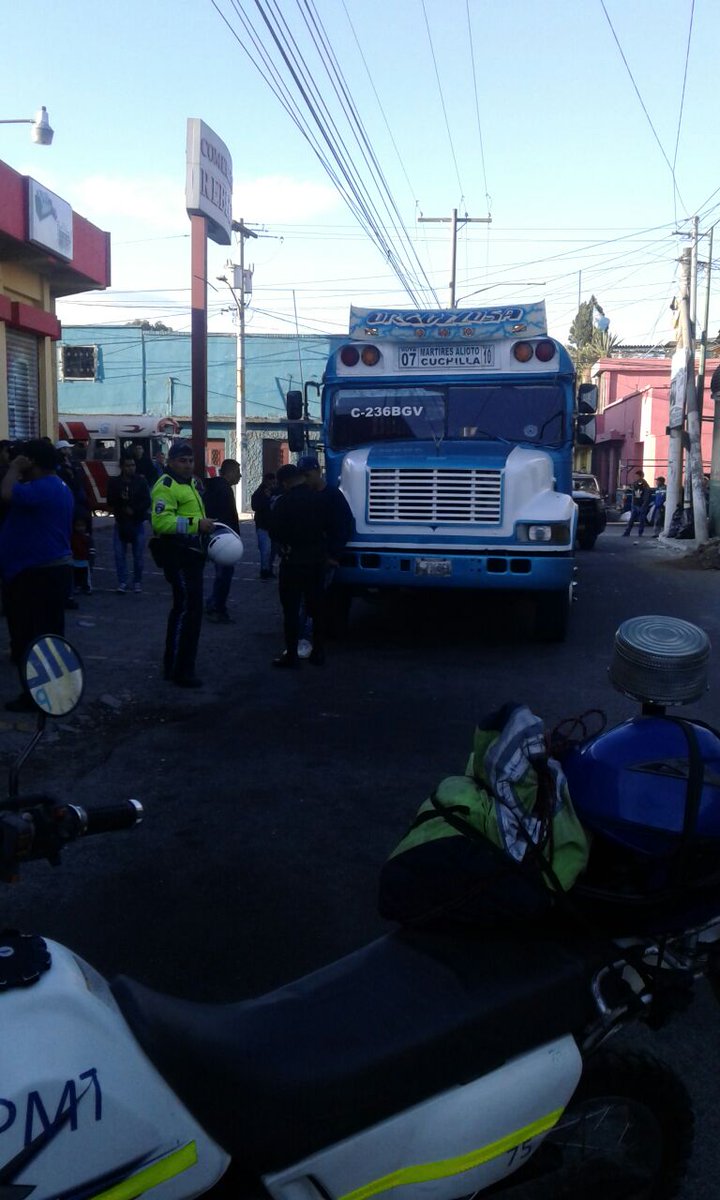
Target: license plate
(433, 566)
(446, 356)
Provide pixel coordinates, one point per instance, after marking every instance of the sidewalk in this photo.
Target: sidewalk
(120, 638)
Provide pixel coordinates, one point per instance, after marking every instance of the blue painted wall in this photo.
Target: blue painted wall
(142, 371)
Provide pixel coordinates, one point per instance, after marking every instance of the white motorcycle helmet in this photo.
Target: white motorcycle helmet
(225, 547)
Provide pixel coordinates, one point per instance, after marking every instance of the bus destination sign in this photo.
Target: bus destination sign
(446, 356)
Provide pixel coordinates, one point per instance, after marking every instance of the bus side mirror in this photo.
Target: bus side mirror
(294, 406)
(296, 437)
(585, 421)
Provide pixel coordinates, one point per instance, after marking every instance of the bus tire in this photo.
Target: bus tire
(552, 612)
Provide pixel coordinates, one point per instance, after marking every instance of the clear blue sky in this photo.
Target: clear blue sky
(522, 109)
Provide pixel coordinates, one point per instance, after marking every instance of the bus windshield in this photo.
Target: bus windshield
(530, 413)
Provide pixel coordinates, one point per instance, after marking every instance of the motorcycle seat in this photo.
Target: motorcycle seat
(279, 1077)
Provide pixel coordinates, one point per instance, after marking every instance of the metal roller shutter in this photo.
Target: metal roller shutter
(23, 390)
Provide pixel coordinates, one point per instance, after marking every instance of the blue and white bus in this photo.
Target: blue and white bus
(450, 433)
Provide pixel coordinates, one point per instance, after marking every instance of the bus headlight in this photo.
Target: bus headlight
(555, 534)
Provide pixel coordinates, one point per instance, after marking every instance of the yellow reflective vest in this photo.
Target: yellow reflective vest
(177, 508)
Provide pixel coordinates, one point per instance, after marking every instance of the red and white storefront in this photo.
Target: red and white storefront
(46, 251)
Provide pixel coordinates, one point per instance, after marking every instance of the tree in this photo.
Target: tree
(589, 343)
(583, 328)
(604, 343)
(148, 326)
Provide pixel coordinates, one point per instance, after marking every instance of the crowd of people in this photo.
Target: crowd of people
(47, 549)
(646, 506)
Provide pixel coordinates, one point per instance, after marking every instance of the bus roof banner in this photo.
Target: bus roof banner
(436, 324)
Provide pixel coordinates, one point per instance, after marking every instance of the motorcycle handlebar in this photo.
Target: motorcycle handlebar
(38, 827)
(110, 818)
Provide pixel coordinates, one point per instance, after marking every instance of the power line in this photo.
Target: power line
(642, 102)
(442, 102)
(322, 134)
(377, 97)
(353, 116)
(477, 103)
(682, 97)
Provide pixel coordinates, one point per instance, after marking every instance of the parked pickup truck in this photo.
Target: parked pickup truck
(592, 517)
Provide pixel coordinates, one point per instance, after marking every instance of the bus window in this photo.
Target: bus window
(388, 413)
(127, 445)
(522, 413)
(105, 450)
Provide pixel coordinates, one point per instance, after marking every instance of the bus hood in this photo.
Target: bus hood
(521, 480)
(444, 456)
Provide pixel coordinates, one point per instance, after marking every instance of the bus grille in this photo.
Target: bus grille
(434, 497)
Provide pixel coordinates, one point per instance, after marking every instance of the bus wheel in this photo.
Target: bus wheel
(552, 611)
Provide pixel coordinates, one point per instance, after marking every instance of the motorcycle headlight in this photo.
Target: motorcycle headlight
(556, 533)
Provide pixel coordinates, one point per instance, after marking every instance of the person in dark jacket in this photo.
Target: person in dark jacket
(341, 522)
(640, 503)
(261, 503)
(144, 465)
(71, 473)
(340, 530)
(129, 502)
(220, 505)
(300, 524)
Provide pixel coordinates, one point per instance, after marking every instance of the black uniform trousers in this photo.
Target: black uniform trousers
(184, 572)
(297, 582)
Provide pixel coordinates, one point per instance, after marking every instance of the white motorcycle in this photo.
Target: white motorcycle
(432, 1065)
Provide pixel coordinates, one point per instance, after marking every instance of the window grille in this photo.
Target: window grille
(23, 387)
(78, 362)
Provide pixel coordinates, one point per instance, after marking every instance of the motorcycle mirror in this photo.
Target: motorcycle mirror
(53, 675)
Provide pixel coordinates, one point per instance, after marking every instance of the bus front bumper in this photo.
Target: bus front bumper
(502, 569)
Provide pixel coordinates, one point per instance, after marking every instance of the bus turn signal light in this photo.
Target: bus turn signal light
(370, 355)
(545, 351)
(523, 351)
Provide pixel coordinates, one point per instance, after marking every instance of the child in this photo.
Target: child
(83, 553)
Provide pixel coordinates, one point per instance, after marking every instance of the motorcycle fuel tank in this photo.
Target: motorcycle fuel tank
(82, 1110)
(631, 783)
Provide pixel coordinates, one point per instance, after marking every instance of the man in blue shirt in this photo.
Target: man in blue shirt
(35, 555)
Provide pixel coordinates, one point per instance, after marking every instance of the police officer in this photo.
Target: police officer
(178, 518)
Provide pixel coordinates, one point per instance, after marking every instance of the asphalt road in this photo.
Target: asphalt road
(272, 798)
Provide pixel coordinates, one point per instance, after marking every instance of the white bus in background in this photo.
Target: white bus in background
(104, 439)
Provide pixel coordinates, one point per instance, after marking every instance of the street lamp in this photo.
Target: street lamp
(41, 131)
(502, 283)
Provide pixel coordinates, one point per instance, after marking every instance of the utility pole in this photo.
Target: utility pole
(702, 356)
(676, 416)
(693, 417)
(240, 432)
(453, 220)
(693, 279)
(676, 424)
(715, 464)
